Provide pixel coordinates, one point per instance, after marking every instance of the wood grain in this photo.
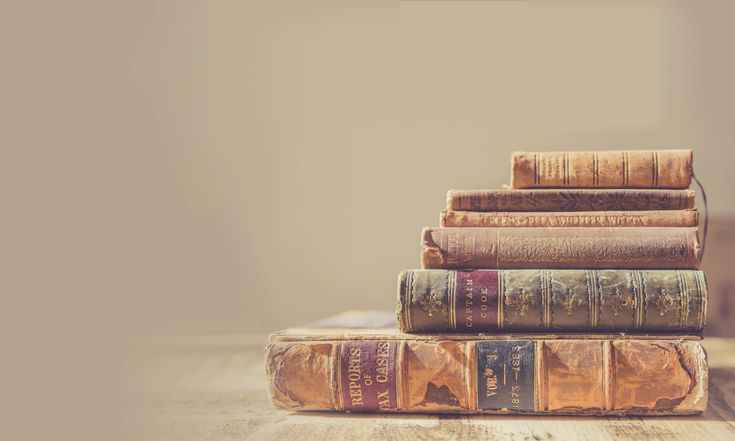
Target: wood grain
(214, 388)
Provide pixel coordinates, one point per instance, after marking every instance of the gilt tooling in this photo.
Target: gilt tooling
(660, 218)
(364, 370)
(552, 300)
(603, 169)
(569, 199)
(560, 247)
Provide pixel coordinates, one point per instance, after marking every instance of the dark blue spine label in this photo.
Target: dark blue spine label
(505, 375)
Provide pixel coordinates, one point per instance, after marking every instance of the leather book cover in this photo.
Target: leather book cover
(494, 301)
(603, 169)
(560, 248)
(569, 200)
(658, 218)
(382, 370)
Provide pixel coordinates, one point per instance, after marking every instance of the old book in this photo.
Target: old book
(381, 370)
(659, 218)
(604, 169)
(640, 301)
(560, 248)
(569, 200)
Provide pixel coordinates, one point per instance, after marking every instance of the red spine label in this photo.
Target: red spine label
(368, 375)
(476, 301)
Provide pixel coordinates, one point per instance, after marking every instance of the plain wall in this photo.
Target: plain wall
(225, 166)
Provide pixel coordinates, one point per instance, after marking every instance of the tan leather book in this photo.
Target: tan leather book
(541, 300)
(658, 218)
(603, 169)
(560, 248)
(382, 370)
(569, 200)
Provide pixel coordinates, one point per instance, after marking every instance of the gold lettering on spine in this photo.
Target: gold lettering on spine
(382, 375)
(354, 377)
(452, 248)
(515, 363)
(382, 360)
(451, 219)
(491, 377)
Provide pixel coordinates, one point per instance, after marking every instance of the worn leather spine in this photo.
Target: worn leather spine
(603, 169)
(476, 374)
(560, 248)
(494, 301)
(569, 200)
(659, 218)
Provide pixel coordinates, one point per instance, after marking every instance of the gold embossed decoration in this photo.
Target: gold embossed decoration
(521, 302)
(570, 300)
(664, 301)
(430, 304)
(618, 300)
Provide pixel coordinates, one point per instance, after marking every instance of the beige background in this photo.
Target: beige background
(232, 166)
(228, 166)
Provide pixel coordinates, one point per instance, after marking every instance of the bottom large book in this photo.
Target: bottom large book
(382, 370)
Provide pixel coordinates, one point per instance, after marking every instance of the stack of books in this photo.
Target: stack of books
(575, 291)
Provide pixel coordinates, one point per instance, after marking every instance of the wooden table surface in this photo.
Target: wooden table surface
(213, 388)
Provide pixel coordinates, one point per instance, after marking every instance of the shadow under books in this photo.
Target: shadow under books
(720, 407)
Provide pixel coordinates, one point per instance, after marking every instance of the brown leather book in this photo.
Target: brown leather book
(604, 169)
(382, 370)
(638, 301)
(569, 200)
(560, 248)
(658, 218)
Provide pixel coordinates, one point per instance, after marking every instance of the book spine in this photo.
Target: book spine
(560, 248)
(492, 301)
(526, 376)
(569, 200)
(608, 169)
(660, 218)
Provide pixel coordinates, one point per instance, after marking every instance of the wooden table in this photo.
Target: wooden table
(213, 388)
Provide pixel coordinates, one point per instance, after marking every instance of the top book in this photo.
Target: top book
(604, 169)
